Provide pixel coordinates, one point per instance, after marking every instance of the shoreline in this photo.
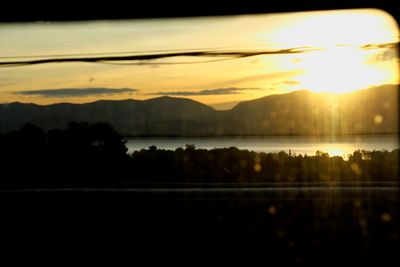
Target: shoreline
(257, 136)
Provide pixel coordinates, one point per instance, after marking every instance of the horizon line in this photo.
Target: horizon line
(191, 98)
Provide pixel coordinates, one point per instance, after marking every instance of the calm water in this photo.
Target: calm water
(342, 145)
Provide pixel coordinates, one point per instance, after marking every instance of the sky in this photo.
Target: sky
(336, 51)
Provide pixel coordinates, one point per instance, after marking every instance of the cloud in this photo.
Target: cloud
(76, 92)
(389, 52)
(269, 76)
(5, 83)
(290, 83)
(142, 58)
(382, 45)
(218, 91)
(387, 55)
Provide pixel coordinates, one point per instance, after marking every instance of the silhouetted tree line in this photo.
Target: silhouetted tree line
(322, 229)
(82, 154)
(231, 165)
(95, 155)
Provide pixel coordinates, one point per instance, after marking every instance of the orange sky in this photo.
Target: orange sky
(345, 54)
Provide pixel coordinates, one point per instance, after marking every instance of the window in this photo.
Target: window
(277, 132)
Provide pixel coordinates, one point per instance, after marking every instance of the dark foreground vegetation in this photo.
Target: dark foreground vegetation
(94, 155)
(330, 222)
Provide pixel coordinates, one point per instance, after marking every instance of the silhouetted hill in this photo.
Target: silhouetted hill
(158, 116)
(369, 111)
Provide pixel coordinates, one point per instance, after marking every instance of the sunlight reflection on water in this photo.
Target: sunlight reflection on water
(334, 146)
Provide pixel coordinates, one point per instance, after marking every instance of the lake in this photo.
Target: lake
(334, 145)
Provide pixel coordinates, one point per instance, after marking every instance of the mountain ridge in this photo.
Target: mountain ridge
(368, 111)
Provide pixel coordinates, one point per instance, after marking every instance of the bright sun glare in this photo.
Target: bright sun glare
(339, 70)
(340, 64)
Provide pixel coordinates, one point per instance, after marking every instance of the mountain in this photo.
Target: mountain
(369, 111)
(157, 116)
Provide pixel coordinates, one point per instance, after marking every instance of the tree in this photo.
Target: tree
(107, 141)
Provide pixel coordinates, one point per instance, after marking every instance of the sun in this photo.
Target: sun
(339, 63)
(339, 70)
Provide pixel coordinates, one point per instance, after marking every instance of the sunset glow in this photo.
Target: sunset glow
(335, 52)
(346, 68)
